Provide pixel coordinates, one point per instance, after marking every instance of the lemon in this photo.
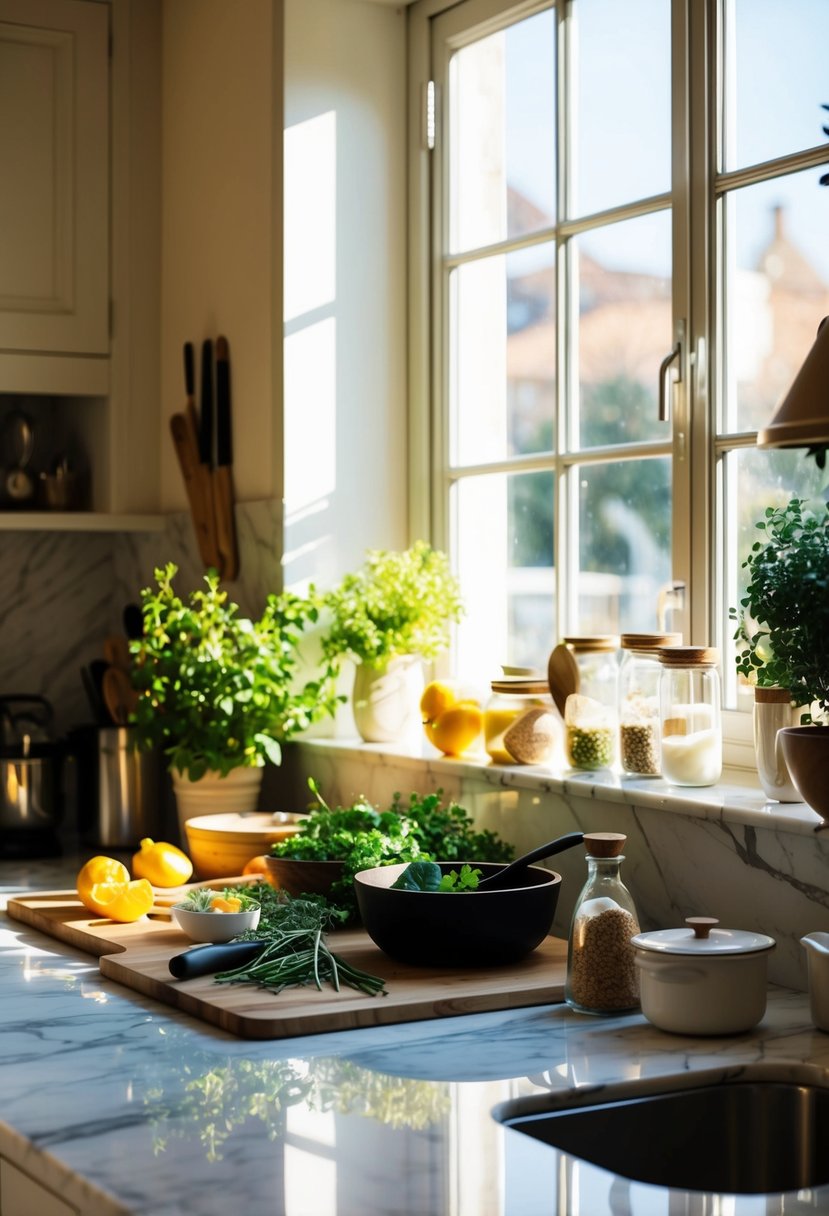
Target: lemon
(456, 729)
(163, 864)
(437, 697)
(124, 902)
(99, 871)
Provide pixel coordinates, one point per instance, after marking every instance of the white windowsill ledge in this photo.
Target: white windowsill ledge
(736, 799)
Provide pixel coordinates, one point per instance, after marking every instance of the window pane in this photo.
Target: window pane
(502, 134)
(768, 47)
(624, 544)
(624, 282)
(776, 286)
(622, 118)
(504, 541)
(502, 356)
(753, 479)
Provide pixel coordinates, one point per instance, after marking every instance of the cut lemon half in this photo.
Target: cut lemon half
(125, 901)
(99, 871)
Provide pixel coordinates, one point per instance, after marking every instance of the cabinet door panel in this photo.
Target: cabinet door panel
(54, 168)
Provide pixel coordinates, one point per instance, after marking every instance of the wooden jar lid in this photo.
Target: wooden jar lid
(604, 844)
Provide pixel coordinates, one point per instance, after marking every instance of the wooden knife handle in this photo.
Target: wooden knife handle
(187, 451)
(225, 521)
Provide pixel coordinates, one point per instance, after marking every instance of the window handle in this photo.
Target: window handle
(664, 382)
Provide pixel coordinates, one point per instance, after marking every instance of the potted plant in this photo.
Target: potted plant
(218, 693)
(784, 628)
(389, 616)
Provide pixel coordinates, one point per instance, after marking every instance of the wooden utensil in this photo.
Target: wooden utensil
(120, 697)
(184, 429)
(117, 652)
(562, 675)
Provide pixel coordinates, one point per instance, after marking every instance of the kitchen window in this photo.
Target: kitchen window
(619, 262)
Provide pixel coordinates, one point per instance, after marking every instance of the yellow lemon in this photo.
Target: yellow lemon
(124, 902)
(437, 697)
(456, 729)
(163, 864)
(99, 871)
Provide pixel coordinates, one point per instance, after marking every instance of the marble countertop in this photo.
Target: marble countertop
(123, 1105)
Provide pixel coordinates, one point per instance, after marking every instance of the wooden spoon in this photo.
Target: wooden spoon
(562, 675)
(120, 697)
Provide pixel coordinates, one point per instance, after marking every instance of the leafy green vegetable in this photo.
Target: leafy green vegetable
(427, 876)
(362, 838)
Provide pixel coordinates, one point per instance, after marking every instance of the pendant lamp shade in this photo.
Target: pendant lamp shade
(802, 417)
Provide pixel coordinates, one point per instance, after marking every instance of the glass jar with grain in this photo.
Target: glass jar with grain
(590, 715)
(639, 674)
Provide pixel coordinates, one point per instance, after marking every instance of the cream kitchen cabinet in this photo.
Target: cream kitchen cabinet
(80, 235)
(54, 205)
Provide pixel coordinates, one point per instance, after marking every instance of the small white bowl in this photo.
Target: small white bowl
(214, 926)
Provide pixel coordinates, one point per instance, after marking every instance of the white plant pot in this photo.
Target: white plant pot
(213, 794)
(386, 701)
(772, 711)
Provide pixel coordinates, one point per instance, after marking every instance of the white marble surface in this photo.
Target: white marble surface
(159, 1114)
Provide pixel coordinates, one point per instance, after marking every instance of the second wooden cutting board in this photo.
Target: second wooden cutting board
(138, 955)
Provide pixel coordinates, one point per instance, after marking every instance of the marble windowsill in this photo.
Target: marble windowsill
(736, 799)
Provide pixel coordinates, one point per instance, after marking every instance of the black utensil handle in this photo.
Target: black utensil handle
(224, 432)
(206, 960)
(189, 370)
(206, 417)
(549, 850)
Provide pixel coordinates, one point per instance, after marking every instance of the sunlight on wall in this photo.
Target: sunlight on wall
(310, 326)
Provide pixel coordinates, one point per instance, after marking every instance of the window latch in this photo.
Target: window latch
(665, 381)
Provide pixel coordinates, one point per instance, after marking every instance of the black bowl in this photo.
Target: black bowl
(457, 928)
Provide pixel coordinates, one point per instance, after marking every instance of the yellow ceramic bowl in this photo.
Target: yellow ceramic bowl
(220, 846)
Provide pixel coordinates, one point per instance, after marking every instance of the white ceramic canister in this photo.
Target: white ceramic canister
(703, 980)
(773, 710)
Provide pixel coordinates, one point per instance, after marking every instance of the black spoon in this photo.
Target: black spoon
(504, 878)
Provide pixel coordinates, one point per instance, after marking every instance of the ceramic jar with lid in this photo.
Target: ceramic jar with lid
(690, 718)
(520, 722)
(601, 976)
(639, 674)
(701, 979)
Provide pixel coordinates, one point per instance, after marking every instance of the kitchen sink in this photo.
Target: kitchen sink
(761, 1130)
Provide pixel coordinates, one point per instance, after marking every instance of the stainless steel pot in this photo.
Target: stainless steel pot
(118, 787)
(31, 793)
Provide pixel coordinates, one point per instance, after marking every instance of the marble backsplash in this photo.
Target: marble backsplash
(62, 593)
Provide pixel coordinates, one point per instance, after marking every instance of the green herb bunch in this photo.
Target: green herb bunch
(362, 837)
(219, 691)
(784, 622)
(398, 603)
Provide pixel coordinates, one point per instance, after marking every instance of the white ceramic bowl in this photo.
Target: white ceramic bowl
(703, 980)
(214, 926)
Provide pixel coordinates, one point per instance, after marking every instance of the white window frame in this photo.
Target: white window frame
(697, 187)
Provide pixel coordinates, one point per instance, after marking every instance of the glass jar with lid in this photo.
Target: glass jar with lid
(639, 674)
(520, 722)
(590, 714)
(690, 715)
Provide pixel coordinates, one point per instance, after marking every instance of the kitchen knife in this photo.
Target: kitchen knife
(207, 960)
(206, 416)
(222, 479)
(187, 450)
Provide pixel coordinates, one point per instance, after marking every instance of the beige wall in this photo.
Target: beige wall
(220, 220)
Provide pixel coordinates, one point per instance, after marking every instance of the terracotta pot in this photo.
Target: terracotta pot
(386, 701)
(806, 752)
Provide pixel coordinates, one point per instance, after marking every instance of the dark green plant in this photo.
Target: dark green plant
(219, 691)
(397, 603)
(784, 622)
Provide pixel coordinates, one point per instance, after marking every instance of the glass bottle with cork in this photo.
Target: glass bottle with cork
(639, 674)
(689, 696)
(601, 972)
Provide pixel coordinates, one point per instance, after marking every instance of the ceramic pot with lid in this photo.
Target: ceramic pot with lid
(701, 979)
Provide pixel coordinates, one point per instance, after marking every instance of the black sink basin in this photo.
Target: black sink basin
(763, 1131)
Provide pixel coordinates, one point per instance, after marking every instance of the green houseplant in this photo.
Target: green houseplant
(388, 616)
(784, 630)
(218, 693)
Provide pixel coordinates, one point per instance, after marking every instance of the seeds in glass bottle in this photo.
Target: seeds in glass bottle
(603, 973)
(640, 753)
(590, 746)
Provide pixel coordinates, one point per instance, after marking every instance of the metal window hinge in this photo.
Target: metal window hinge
(427, 113)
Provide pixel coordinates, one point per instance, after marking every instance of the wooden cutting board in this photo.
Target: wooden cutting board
(137, 955)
